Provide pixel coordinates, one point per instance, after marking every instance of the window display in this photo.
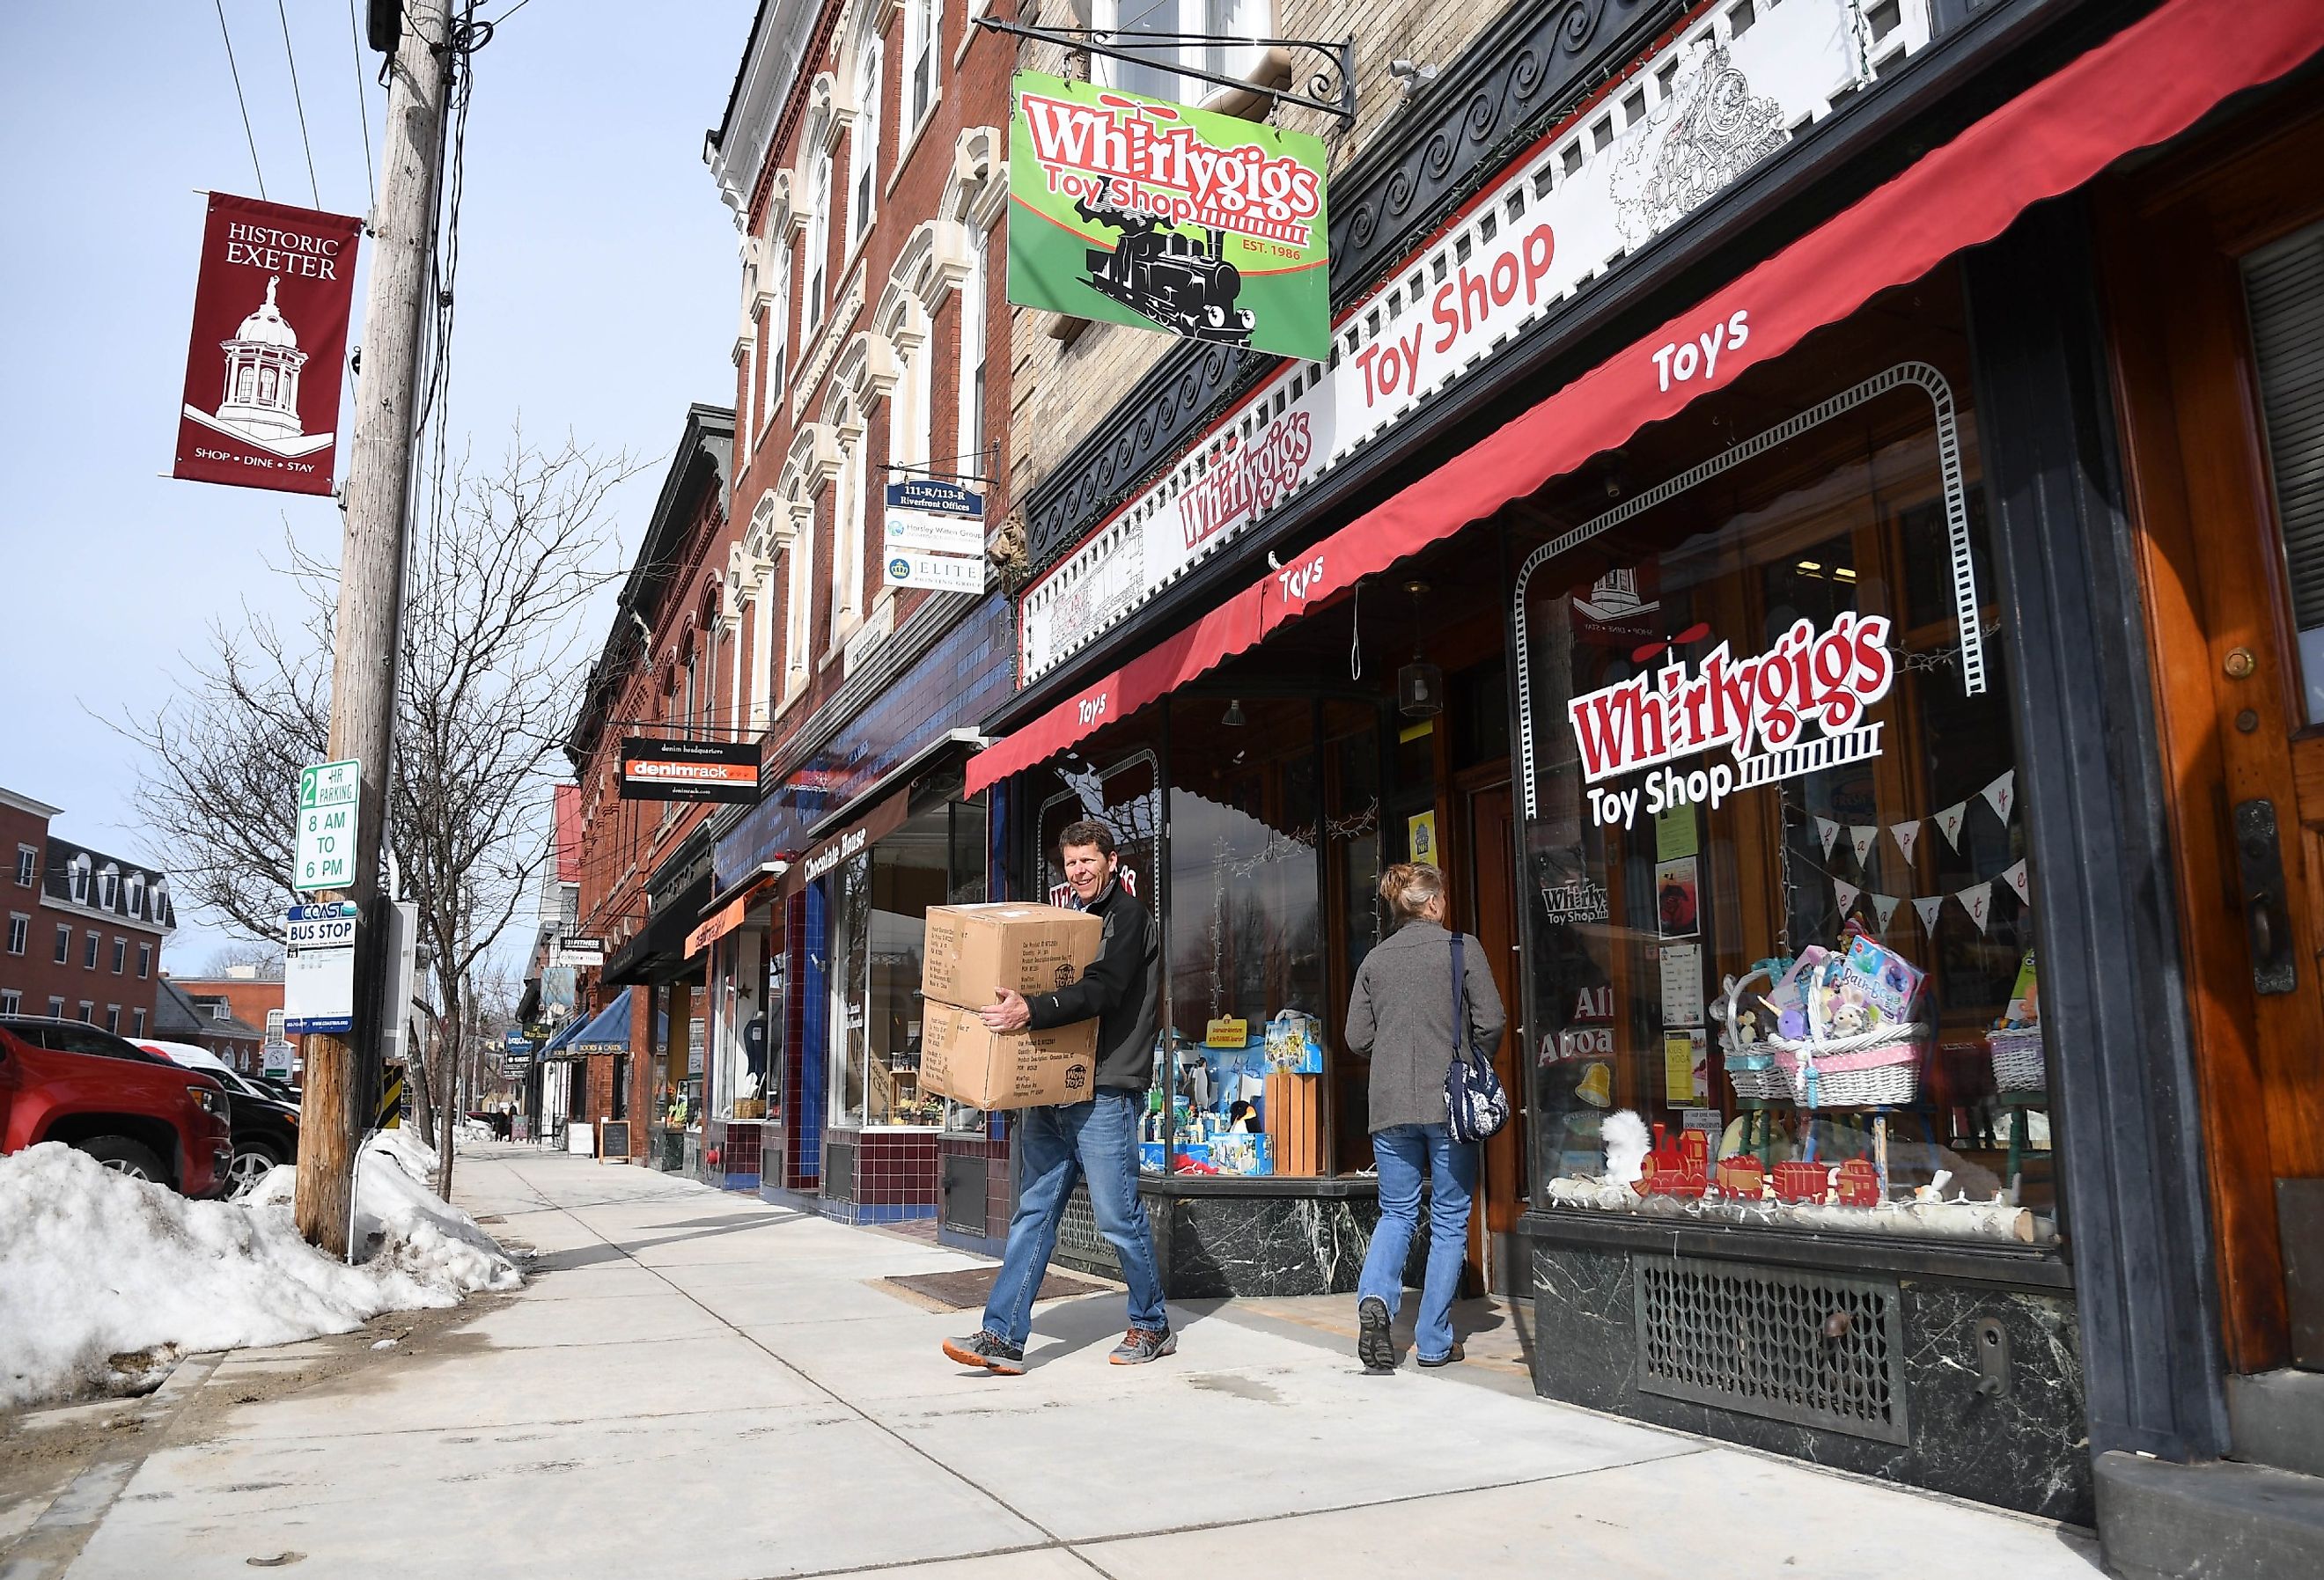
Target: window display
(1783, 914)
(878, 923)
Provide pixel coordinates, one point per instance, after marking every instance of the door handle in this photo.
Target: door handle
(2259, 861)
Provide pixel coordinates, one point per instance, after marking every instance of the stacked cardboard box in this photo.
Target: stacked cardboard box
(973, 952)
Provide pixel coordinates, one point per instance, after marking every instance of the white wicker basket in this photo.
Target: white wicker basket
(2018, 1062)
(1751, 1066)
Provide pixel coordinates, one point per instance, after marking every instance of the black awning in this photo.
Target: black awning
(658, 954)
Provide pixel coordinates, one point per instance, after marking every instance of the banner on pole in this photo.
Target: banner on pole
(1134, 210)
(270, 339)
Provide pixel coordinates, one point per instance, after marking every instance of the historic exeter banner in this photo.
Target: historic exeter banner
(270, 341)
(1138, 211)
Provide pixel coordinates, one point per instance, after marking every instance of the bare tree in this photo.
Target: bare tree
(500, 578)
(262, 962)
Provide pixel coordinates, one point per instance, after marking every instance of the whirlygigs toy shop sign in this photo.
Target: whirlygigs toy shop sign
(1798, 707)
(1138, 211)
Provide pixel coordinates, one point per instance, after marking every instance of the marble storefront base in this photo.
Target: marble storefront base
(2026, 1449)
(1216, 1238)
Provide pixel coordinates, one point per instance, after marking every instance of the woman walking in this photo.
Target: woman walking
(1404, 1017)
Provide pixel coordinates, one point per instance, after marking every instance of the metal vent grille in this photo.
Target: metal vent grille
(964, 1181)
(1812, 1348)
(838, 1170)
(1078, 1235)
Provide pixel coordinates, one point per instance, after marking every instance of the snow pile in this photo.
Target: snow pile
(93, 1265)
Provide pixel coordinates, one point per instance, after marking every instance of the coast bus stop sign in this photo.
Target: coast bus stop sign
(325, 853)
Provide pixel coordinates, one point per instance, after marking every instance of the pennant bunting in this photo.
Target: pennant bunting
(1907, 835)
(1884, 906)
(2002, 794)
(1827, 830)
(2014, 876)
(1949, 822)
(1929, 909)
(1978, 901)
(1860, 838)
(1846, 893)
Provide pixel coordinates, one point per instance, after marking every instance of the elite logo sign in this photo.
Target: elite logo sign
(270, 335)
(1760, 708)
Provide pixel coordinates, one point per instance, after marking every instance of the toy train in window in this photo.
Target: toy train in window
(1187, 287)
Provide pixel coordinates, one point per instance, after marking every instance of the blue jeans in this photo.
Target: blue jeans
(1096, 1141)
(1406, 1152)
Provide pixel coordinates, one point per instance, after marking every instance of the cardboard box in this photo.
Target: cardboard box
(961, 1060)
(974, 951)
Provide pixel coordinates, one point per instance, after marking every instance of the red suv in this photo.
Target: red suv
(132, 1111)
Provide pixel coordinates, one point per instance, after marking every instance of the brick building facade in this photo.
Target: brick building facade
(84, 930)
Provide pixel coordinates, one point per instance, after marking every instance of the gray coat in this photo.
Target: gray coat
(1401, 1017)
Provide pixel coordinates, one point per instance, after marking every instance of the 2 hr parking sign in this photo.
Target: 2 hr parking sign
(323, 856)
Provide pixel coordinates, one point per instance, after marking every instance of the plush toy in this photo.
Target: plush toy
(1625, 1135)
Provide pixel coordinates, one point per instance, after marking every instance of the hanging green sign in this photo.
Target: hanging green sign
(1138, 211)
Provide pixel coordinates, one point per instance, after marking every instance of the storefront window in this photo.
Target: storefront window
(880, 903)
(750, 983)
(1782, 964)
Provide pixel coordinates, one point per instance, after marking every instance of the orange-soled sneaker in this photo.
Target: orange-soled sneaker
(1141, 1345)
(988, 1351)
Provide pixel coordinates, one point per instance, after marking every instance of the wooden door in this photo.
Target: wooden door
(1490, 841)
(2186, 244)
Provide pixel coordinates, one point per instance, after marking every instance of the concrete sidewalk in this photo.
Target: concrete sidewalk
(695, 1384)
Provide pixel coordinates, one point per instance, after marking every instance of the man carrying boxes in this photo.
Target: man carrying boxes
(1064, 1028)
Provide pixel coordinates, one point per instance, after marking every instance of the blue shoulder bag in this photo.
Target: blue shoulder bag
(1475, 1104)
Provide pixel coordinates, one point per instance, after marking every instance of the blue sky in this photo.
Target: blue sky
(597, 295)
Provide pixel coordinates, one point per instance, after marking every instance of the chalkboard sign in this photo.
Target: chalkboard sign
(613, 1138)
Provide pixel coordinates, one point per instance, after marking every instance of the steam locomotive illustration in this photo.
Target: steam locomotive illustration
(1185, 286)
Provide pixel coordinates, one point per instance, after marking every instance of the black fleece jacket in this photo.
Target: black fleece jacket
(1117, 991)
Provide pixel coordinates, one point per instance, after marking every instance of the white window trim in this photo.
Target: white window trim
(28, 866)
(975, 338)
(137, 1022)
(1192, 16)
(20, 932)
(817, 281)
(863, 145)
(923, 38)
(77, 871)
(11, 1003)
(778, 339)
(798, 637)
(848, 538)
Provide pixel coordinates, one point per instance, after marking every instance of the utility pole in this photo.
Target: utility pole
(338, 1093)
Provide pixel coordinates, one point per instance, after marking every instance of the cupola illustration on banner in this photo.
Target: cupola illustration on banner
(260, 400)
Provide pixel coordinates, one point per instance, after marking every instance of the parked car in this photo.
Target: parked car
(134, 1112)
(265, 1126)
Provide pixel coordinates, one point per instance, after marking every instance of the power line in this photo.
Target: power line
(236, 71)
(363, 105)
(296, 98)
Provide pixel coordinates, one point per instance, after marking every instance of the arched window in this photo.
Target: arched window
(245, 383)
(798, 633)
(108, 885)
(137, 894)
(266, 385)
(923, 22)
(972, 354)
(818, 240)
(865, 153)
(77, 871)
(778, 334)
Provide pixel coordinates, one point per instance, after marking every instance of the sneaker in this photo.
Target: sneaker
(988, 1350)
(1455, 1354)
(1141, 1345)
(1374, 1346)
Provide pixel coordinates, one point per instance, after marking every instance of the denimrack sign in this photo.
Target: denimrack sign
(262, 397)
(1138, 211)
(690, 771)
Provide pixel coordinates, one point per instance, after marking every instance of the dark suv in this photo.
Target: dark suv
(133, 1111)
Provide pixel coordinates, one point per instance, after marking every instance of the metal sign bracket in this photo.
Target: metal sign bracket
(1330, 85)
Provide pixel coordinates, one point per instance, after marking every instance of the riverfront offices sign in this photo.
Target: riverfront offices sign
(1138, 211)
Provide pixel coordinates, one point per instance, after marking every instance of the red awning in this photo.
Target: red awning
(2146, 85)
